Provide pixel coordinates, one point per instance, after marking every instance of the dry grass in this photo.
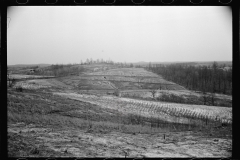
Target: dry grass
(102, 114)
(139, 72)
(47, 109)
(172, 112)
(24, 76)
(121, 81)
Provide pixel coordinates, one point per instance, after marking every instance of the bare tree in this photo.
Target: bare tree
(11, 81)
(139, 81)
(117, 93)
(160, 87)
(213, 98)
(204, 97)
(153, 93)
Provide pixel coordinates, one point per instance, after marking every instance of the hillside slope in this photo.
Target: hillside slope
(122, 79)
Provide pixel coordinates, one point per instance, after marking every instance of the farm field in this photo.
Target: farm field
(41, 83)
(171, 112)
(22, 76)
(73, 116)
(121, 78)
(177, 92)
(130, 72)
(192, 97)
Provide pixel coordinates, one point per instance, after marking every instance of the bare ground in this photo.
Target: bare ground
(87, 143)
(41, 140)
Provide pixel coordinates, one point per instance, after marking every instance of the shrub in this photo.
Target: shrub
(11, 82)
(117, 93)
(19, 89)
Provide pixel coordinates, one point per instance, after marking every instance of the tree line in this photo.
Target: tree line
(59, 70)
(102, 61)
(213, 79)
(98, 61)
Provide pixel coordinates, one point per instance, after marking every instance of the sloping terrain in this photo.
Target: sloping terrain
(120, 78)
(24, 76)
(98, 67)
(43, 124)
(171, 112)
(72, 116)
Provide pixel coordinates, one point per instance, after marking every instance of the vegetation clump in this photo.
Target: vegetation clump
(19, 89)
(213, 78)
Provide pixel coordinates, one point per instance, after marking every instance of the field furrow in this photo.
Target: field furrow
(172, 112)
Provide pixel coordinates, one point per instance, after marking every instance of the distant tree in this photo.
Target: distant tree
(34, 67)
(122, 65)
(139, 80)
(150, 65)
(19, 89)
(229, 80)
(91, 60)
(160, 87)
(196, 78)
(153, 92)
(204, 96)
(11, 81)
(87, 61)
(117, 93)
(213, 98)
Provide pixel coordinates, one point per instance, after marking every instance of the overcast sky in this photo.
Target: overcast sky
(123, 34)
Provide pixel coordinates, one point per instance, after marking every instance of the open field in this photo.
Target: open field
(130, 72)
(171, 112)
(41, 83)
(58, 126)
(186, 96)
(80, 143)
(146, 93)
(73, 116)
(22, 76)
(121, 78)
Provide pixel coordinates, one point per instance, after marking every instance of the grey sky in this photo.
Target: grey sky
(124, 33)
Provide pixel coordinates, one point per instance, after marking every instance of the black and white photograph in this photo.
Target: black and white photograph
(119, 81)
